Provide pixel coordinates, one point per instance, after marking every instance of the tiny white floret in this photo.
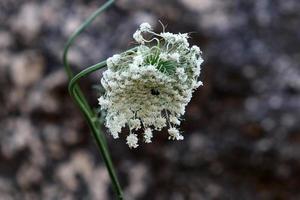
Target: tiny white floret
(137, 36)
(174, 134)
(132, 140)
(148, 135)
(145, 27)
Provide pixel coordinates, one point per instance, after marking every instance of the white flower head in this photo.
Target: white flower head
(148, 135)
(174, 134)
(176, 39)
(138, 60)
(132, 140)
(163, 56)
(134, 124)
(174, 120)
(149, 87)
(175, 56)
(113, 61)
(145, 27)
(104, 103)
(138, 37)
(195, 49)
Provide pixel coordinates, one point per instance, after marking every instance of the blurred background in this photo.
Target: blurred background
(242, 128)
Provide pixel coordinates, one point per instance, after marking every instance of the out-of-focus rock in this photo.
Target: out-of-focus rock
(28, 175)
(79, 165)
(137, 176)
(27, 23)
(98, 183)
(44, 97)
(6, 40)
(16, 134)
(6, 189)
(27, 68)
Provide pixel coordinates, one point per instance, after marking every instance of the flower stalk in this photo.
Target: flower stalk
(80, 100)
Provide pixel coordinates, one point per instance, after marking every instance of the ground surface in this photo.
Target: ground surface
(242, 129)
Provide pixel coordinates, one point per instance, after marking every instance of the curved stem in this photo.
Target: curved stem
(92, 122)
(72, 38)
(82, 103)
(73, 93)
(80, 29)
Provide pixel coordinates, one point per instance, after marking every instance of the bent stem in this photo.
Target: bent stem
(80, 100)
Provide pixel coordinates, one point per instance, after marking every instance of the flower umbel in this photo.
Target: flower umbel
(149, 87)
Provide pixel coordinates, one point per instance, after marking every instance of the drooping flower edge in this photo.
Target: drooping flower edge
(149, 88)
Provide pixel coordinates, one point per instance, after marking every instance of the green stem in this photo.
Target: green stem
(80, 29)
(72, 38)
(93, 124)
(82, 103)
(72, 90)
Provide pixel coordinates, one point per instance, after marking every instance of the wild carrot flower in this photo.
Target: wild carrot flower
(149, 87)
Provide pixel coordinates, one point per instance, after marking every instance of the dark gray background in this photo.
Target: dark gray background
(242, 129)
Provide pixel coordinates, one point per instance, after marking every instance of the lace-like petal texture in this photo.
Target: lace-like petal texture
(149, 88)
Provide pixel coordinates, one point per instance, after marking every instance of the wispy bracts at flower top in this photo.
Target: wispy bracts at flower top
(149, 87)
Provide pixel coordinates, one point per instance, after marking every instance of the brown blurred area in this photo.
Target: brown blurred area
(242, 128)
